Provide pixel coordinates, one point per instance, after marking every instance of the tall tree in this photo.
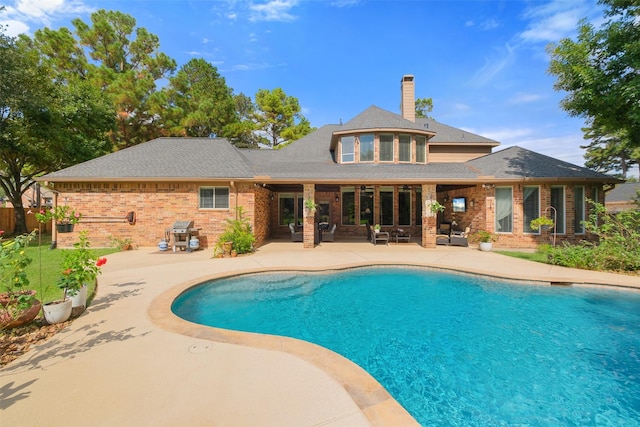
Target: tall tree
(126, 67)
(200, 103)
(600, 71)
(278, 117)
(242, 133)
(45, 123)
(609, 151)
(423, 107)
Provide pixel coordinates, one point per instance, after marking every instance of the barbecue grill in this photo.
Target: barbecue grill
(182, 232)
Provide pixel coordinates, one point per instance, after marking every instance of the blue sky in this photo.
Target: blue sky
(483, 62)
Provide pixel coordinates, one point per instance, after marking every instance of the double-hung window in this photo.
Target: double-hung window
(421, 149)
(386, 147)
(557, 201)
(404, 148)
(214, 198)
(504, 209)
(531, 207)
(579, 209)
(366, 148)
(348, 144)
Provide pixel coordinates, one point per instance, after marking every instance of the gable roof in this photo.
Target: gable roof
(310, 160)
(448, 134)
(164, 159)
(625, 192)
(517, 163)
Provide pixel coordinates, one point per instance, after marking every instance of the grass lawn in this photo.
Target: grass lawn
(45, 269)
(530, 256)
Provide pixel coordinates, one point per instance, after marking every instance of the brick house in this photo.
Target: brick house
(379, 167)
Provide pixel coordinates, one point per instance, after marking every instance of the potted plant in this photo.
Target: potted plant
(436, 207)
(64, 216)
(79, 268)
(18, 305)
(310, 204)
(541, 222)
(485, 238)
(376, 228)
(237, 236)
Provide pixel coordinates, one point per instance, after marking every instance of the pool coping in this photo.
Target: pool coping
(373, 400)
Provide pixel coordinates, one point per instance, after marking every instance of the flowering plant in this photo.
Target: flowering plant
(62, 215)
(13, 278)
(80, 266)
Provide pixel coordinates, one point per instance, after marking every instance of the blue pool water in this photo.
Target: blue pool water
(454, 350)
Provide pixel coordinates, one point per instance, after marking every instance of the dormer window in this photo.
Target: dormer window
(348, 145)
(366, 148)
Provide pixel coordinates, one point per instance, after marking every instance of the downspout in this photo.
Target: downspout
(232, 184)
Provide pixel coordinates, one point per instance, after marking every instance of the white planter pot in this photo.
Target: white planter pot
(485, 246)
(80, 298)
(57, 311)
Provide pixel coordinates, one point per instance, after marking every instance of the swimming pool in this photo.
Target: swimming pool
(453, 349)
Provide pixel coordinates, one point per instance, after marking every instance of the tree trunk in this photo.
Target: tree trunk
(21, 218)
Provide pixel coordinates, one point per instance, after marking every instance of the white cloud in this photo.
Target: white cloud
(506, 136)
(555, 20)
(273, 10)
(489, 24)
(345, 3)
(562, 147)
(493, 65)
(40, 12)
(524, 98)
(461, 107)
(13, 27)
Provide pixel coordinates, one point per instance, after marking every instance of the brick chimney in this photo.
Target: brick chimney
(408, 98)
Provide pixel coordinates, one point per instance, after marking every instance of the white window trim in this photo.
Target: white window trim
(425, 149)
(373, 141)
(538, 232)
(393, 153)
(342, 152)
(564, 208)
(584, 210)
(410, 148)
(213, 187)
(495, 221)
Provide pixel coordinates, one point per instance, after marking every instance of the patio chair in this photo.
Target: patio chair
(369, 231)
(379, 237)
(328, 236)
(444, 234)
(461, 239)
(296, 236)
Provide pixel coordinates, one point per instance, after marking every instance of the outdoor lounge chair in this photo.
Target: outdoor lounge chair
(328, 236)
(296, 236)
(461, 239)
(444, 234)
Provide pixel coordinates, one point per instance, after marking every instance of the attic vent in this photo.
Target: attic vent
(426, 125)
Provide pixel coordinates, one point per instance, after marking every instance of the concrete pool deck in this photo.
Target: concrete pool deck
(129, 362)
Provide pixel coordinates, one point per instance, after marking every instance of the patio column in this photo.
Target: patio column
(309, 216)
(429, 219)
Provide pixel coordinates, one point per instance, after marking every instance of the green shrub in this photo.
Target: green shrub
(618, 246)
(239, 232)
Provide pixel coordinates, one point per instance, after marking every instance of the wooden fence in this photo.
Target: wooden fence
(8, 221)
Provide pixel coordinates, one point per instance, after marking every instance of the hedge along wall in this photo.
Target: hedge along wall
(157, 206)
